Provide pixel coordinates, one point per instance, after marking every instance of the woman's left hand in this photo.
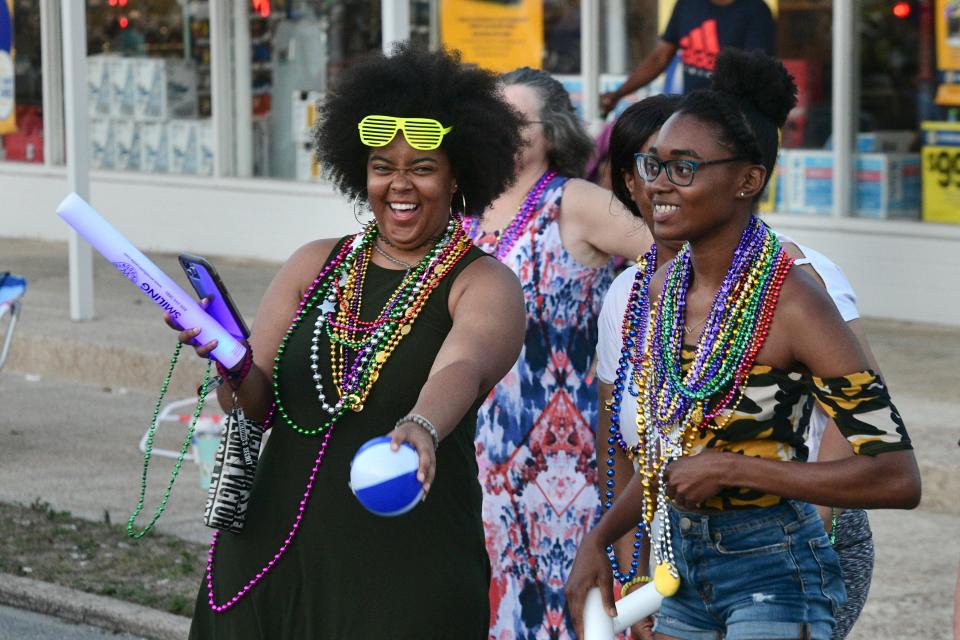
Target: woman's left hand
(691, 480)
(418, 437)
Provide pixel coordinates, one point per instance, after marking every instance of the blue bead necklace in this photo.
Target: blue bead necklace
(634, 325)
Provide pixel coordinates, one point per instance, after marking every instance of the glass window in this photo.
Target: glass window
(21, 88)
(148, 84)
(299, 48)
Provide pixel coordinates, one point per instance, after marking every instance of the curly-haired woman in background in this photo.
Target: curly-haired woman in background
(393, 330)
(535, 430)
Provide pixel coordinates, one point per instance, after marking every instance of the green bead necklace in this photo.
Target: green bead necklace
(148, 448)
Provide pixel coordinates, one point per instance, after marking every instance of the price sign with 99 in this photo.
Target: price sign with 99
(941, 171)
(945, 165)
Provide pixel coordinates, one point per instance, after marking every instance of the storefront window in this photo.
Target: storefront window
(299, 48)
(148, 85)
(21, 89)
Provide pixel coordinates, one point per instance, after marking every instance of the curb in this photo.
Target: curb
(87, 608)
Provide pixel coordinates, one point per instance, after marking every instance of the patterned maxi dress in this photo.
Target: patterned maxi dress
(535, 433)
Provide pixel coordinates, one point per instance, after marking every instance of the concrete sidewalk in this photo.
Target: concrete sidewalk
(85, 392)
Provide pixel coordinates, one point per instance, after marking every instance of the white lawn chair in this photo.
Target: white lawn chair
(205, 438)
(12, 288)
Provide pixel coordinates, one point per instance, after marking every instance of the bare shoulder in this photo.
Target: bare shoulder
(584, 197)
(803, 296)
(304, 264)
(487, 275)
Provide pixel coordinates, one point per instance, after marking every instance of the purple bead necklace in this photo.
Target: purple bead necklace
(515, 229)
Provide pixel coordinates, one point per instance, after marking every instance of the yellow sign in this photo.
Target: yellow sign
(494, 34)
(941, 171)
(8, 104)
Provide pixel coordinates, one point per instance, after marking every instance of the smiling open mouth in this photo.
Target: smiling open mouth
(662, 212)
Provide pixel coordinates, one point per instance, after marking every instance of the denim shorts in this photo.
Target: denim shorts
(765, 573)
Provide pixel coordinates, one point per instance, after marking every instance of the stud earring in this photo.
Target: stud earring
(741, 194)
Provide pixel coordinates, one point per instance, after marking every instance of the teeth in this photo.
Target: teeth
(665, 208)
(402, 206)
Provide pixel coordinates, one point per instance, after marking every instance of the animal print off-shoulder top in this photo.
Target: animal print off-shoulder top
(770, 419)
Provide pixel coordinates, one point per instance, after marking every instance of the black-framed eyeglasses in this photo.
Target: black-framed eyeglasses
(679, 172)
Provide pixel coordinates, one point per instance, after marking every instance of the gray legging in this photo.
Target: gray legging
(854, 546)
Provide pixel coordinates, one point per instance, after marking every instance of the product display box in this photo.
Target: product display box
(888, 184)
(102, 147)
(154, 147)
(98, 86)
(126, 138)
(121, 87)
(184, 146)
(164, 88)
(303, 115)
(191, 146)
(205, 145)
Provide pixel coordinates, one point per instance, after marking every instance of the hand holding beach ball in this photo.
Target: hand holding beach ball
(385, 481)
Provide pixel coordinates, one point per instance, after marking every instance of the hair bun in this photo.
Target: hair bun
(757, 78)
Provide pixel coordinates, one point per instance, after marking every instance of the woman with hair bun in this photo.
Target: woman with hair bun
(535, 432)
(728, 344)
(400, 329)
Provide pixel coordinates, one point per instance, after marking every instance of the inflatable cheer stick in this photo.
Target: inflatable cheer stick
(148, 277)
(631, 609)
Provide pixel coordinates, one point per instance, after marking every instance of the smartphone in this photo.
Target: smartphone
(207, 283)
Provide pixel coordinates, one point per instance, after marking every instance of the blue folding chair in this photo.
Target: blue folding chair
(12, 288)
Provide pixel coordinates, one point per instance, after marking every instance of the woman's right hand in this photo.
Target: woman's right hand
(186, 336)
(591, 568)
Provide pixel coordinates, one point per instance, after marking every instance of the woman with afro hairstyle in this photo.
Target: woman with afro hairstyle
(535, 431)
(401, 329)
(734, 348)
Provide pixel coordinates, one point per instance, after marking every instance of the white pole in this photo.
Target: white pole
(78, 150)
(220, 88)
(590, 61)
(395, 18)
(844, 106)
(51, 62)
(616, 32)
(243, 91)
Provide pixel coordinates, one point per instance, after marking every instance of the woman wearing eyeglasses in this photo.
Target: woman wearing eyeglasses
(400, 329)
(728, 344)
(535, 430)
(632, 135)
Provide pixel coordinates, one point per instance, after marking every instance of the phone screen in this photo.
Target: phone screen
(208, 285)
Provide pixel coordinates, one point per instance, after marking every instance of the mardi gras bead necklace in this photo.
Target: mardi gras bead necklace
(349, 265)
(672, 409)
(638, 308)
(360, 348)
(515, 229)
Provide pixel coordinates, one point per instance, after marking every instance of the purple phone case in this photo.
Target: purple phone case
(206, 287)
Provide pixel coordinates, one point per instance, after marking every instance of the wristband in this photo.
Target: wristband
(420, 421)
(631, 583)
(235, 377)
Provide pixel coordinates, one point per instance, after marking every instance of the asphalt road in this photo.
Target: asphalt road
(27, 625)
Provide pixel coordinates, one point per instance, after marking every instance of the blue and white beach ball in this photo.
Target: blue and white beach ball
(384, 481)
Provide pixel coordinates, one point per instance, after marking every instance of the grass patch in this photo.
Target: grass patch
(159, 571)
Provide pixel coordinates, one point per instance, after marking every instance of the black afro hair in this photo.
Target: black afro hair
(482, 146)
(758, 79)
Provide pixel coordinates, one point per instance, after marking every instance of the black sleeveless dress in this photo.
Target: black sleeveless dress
(349, 574)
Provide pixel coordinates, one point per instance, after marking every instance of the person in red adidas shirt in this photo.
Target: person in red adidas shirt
(699, 29)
